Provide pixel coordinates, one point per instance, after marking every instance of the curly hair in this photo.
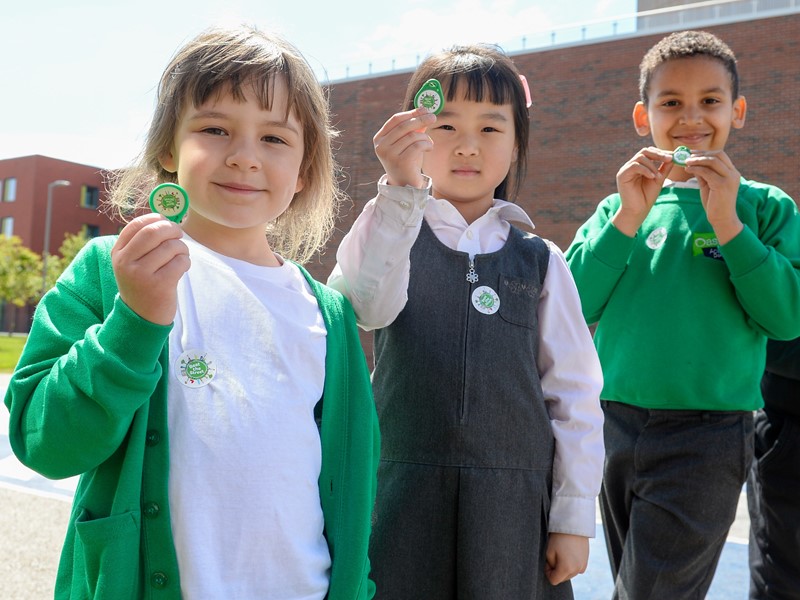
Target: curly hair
(686, 44)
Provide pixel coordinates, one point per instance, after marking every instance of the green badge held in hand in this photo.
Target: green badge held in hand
(680, 154)
(170, 200)
(430, 96)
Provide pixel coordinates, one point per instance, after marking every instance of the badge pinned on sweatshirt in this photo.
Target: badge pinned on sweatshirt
(485, 300)
(170, 200)
(430, 96)
(195, 368)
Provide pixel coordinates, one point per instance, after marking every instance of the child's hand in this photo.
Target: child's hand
(148, 259)
(639, 182)
(719, 187)
(567, 556)
(400, 144)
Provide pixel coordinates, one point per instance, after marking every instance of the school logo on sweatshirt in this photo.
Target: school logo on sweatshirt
(194, 368)
(706, 244)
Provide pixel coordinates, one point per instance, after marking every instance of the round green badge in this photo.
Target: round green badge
(170, 200)
(680, 154)
(430, 96)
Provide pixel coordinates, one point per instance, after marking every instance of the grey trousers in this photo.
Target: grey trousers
(671, 484)
(466, 533)
(773, 498)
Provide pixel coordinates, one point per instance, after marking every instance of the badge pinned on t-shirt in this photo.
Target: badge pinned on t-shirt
(195, 368)
(485, 300)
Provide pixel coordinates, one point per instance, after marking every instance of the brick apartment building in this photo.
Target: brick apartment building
(25, 183)
(581, 129)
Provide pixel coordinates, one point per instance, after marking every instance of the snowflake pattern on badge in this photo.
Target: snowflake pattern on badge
(194, 368)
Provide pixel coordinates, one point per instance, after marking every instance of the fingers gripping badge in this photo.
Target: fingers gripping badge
(680, 155)
(430, 96)
(170, 200)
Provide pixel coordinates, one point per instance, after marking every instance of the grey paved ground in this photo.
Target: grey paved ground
(34, 512)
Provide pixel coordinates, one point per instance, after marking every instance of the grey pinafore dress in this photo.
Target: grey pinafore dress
(467, 448)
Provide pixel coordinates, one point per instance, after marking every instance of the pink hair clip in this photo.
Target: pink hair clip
(528, 101)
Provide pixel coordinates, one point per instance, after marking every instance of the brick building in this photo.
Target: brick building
(24, 187)
(581, 129)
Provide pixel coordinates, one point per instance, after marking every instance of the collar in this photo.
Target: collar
(501, 211)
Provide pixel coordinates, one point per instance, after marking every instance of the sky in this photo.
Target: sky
(78, 78)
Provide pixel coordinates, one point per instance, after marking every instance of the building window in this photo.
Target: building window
(91, 231)
(90, 197)
(9, 189)
(7, 226)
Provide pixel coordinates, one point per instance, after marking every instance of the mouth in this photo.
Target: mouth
(691, 139)
(238, 188)
(466, 171)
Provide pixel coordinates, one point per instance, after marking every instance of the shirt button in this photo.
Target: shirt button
(469, 234)
(159, 580)
(152, 438)
(404, 204)
(151, 510)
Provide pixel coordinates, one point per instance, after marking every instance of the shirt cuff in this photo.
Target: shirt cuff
(573, 515)
(404, 204)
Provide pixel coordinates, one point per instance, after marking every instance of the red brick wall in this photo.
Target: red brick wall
(581, 130)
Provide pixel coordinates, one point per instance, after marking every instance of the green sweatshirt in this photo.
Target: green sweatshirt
(681, 321)
(89, 397)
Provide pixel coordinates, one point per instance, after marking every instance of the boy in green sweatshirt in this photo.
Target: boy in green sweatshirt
(686, 271)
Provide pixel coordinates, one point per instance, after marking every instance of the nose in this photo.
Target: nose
(691, 114)
(242, 154)
(467, 145)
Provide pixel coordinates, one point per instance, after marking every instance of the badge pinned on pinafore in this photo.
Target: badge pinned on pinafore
(195, 368)
(485, 300)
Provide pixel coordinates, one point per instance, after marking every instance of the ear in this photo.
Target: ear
(300, 185)
(167, 162)
(515, 155)
(739, 112)
(640, 121)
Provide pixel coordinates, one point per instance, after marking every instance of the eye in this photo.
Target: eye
(711, 101)
(446, 127)
(273, 139)
(670, 103)
(490, 129)
(213, 131)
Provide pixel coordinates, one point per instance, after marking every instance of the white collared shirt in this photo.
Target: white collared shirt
(373, 268)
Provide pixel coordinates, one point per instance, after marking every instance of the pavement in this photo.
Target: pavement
(35, 511)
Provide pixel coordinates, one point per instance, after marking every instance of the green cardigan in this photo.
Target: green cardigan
(89, 397)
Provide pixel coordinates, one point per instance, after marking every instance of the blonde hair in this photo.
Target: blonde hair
(227, 59)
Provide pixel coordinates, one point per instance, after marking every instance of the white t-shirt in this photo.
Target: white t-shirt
(247, 357)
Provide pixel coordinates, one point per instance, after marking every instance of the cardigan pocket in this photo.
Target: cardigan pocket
(106, 556)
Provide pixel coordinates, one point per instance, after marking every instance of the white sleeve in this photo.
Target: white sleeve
(372, 262)
(572, 381)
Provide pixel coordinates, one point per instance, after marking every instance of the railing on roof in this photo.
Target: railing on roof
(687, 16)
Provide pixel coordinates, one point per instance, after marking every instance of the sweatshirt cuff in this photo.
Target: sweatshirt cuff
(612, 247)
(744, 253)
(573, 515)
(138, 341)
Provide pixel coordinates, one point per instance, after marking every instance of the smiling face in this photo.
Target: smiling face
(240, 165)
(474, 146)
(690, 104)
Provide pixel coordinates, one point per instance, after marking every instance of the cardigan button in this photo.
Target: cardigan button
(159, 580)
(152, 438)
(151, 509)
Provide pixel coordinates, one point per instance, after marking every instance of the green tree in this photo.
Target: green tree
(56, 265)
(20, 275)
